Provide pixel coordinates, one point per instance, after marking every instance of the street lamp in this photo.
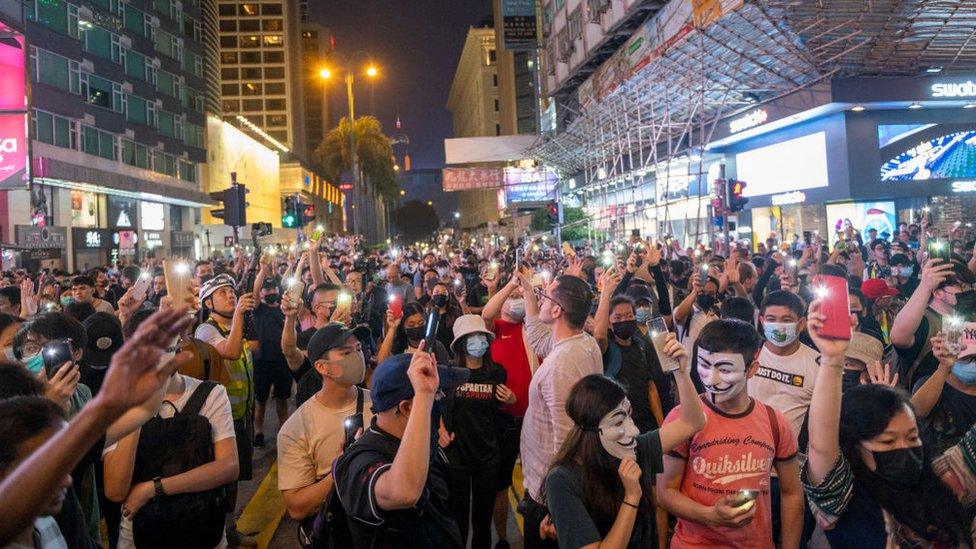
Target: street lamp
(457, 215)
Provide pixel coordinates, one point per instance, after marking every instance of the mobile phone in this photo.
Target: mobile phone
(396, 306)
(351, 425)
(743, 497)
(492, 272)
(635, 232)
(939, 249)
(568, 250)
(55, 353)
(295, 288)
(430, 333)
(458, 286)
(658, 330)
(835, 306)
(177, 274)
(703, 275)
(518, 259)
(317, 234)
(344, 301)
(952, 330)
(140, 289)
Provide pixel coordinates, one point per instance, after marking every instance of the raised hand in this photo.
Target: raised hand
(936, 272)
(724, 513)
(880, 376)
(62, 384)
(574, 267)
(675, 350)
(829, 348)
(423, 372)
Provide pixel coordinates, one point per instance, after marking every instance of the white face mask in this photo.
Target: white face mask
(723, 374)
(780, 334)
(618, 434)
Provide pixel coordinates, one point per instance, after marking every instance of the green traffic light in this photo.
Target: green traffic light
(288, 221)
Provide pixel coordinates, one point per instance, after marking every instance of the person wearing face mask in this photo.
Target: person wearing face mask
(8, 329)
(696, 310)
(863, 353)
(270, 365)
(404, 334)
(945, 289)
(310, 440)
(787, 368)
(871, 479)
(449, 309)
(903, 275)
(606, 454)
(468, 433)
(505, 315)
(947, 398)
(742, 443)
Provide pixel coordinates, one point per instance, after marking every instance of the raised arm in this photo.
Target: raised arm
(493, 309)
(928, 395)
(601, 320)
(910, 316)
(289, 335)
(692, 418)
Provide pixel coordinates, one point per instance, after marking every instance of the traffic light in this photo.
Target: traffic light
(552, 212)
(737, 202)
(308, 213)
(289, 219)
(234, 202)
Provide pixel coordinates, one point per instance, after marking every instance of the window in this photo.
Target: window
(275, 104)
(149, 27)
(231, 105)
(228, 41)
(491, 55)
(494, 80)
(188, 172)
(228, 25)
(271, 9)
(255, 119)
(55, 130)
(250, 41)
(251, 73)
(230, 89)
(136, 111)
(177, 48)
(250, 25)
(192, 63)
(178, 127)
(53, 15)
(251, 57)
(274, 41)
(496, 105)
(97, 91)
(274, 88)
(74, 30)
(134, 20)
(152, 113)
(228, 57)
(274, 57)
(135, 154)
(272, 25)
(280, 135)
(167, 123)
(165, 83)
(227, 9)
(252, 105)
(194, 135)
(277, 120)
(192, 28)
(49, 68)
(247, 9)
(274, 72)
(98, 143)
(192, 99)
(232, 73)
(576, 23)
(251, 89)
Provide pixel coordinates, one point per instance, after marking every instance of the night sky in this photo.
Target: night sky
(417, 43)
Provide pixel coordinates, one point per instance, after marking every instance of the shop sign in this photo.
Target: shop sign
(91, 239)
(152, 239)
(30, 236)
(125, 240)
(964, 186)
(121, 213)
(795, 197)
(181, 239)
(466, 179)
(519, 25)
(152, 216)
(44, 253)
(751, 120)
(228, 241)
(954, 89)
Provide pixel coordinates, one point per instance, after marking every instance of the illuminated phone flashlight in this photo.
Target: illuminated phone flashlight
(392, 298)
(545, 275)
(925, 209)
(182, 268)
(535, 248)
(620, 247)
(955, 321)
(144, 276)
(937, 246)
(544, 237)
(821, 292)
(697, 253)
(457, 281)
(347, 423)
(793, 263)
(290, 282)
(49, 306)
(493, 264)
(608, 260)
(344, 298)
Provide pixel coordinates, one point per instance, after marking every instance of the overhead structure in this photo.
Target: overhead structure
(697, 62)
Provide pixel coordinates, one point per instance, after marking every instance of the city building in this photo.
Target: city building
(117, 125)
(518, 76)
(316, 49)
(261, 70)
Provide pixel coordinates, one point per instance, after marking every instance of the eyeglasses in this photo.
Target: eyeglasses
(542, 294)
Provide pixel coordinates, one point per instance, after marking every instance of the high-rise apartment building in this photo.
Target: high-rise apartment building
(119, 91)
(316, 49)
(260, 69)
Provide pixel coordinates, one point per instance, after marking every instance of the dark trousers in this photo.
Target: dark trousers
(473, 500)
(532, 514)
(244, 431)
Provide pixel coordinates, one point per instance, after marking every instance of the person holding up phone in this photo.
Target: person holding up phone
(313, 436)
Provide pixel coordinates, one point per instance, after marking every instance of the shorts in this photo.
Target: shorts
(268, 375)
(244, 431)
(509, 432)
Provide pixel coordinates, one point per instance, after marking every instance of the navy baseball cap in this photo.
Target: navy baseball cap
(330, 336)
(391, 385)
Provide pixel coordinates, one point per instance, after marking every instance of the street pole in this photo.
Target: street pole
(354, 155)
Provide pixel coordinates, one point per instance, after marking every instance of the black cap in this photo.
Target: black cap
(327, 338)
(104, 338)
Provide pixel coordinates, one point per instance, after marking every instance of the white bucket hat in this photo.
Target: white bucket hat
(470, 324)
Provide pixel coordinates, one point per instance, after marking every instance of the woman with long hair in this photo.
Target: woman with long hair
(404, 334)
(598, 488)
(871, 479)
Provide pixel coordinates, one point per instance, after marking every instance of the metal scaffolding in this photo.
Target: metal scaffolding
(656, 125)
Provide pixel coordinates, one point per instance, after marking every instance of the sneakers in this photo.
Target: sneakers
(235, 538)
(259, 440)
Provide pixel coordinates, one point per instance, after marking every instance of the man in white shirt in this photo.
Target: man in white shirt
(312, 437)
(554, 329)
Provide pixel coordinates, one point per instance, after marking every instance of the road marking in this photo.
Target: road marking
(515, 495)
(263, 512)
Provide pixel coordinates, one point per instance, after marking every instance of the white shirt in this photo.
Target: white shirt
(546, 423)
(47, 535)
(786, 382)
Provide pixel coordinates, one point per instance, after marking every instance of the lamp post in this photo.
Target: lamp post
(372, 72)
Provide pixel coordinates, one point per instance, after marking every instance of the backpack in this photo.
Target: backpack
(327, 528)
(167, 447)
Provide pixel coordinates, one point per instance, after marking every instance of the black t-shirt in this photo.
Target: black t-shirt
(429, 523)
(635, 375)
(470, 415)
(269, 323)
(906, 357)
(574, 525)
(950, 418)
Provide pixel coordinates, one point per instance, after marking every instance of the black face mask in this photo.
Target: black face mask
(900, 468)
(966, 303)
(851, 379)
(705, 302)
(439, 300)
(624, 329)
(414, 334)
(272, 299)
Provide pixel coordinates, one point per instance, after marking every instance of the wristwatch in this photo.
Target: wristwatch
(158, 484)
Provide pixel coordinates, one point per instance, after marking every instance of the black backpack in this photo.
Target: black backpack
(169, 447)
(327, 528)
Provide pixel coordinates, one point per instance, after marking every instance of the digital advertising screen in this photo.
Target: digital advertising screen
(926, 152)
(792, 165)
(862, 216)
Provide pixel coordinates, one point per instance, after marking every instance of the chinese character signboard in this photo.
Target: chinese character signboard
(519, 21)
(466, 179)
(91, 239)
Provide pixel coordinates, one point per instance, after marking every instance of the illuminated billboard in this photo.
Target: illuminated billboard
(13, 104)
(862, 216)
(792, 165)
(929, 152)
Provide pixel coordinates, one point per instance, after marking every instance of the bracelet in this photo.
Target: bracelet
(628, 504)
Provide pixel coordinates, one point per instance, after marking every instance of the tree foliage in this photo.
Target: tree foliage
(372, 146)
(415, 220)
(571, 216)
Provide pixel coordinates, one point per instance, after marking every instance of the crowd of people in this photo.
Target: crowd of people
(642, 394)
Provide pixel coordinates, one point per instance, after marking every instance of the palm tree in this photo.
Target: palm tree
(373, 148)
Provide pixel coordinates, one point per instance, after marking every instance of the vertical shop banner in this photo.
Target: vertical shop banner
(13, 151)
(519, 24)
(13, 104)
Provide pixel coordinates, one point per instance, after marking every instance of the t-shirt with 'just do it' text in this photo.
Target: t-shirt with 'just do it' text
(732, 453)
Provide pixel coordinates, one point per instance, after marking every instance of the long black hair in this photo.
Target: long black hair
(930, 510)
(592, 398)
(400, 341)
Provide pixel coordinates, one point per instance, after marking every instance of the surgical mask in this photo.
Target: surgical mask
(905, 271)
(624, 329)
(780, 334)
(618, 433)
(414, 334)
(404, 267)
(722, 374)
(68, 300)
(353, 369)
(476, 345)
(965, 372)
(705, 302)
(439, 300)
(516, 309)
(850, 379)
(642, 315)
(35, 364)
(901, 468)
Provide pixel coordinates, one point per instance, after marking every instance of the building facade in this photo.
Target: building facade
(316, 49)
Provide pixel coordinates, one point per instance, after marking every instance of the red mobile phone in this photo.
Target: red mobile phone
(835, 304)
(396, 306)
